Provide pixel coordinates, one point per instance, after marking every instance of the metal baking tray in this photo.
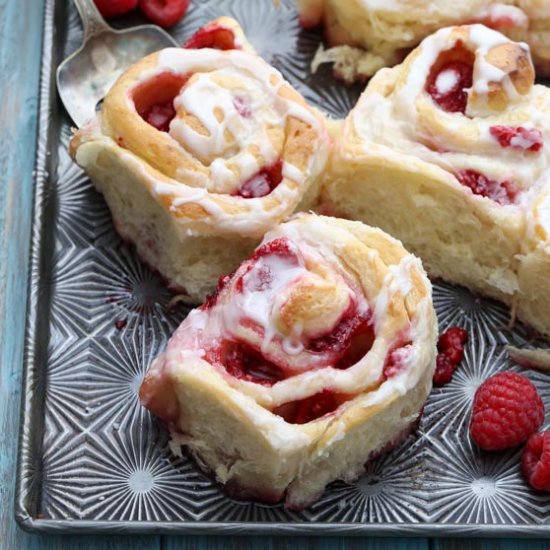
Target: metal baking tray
(92, 460)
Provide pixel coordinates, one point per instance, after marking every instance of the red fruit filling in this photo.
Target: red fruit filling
(344, 346)
(157, 394)
(526, 139)
(215, 36)
(242, 106)
(211, 299)
(113, 8)
(164, 12)
(311, 408)
(450, 346)
(263, 182)
(349, 341)
(535, 461)
(394, 364)
(502, 192)
(507, 410)
(154, 99)
(277, 247)
(502, 22)
(242, 361)
(121, 323)
(160, 115)
(450, 77)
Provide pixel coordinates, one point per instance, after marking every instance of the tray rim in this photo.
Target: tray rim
(24, 517)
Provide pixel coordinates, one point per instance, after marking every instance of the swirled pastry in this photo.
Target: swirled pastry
(314, 355)
(199, 152)
(449, 152)
(370, 34)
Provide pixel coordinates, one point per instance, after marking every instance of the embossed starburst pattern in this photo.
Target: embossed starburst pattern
(81, 215)
(481, 316)
(449, 407)
(476, 487)
(388, 492)
(130, 297)
(114, 376)
(94, 454)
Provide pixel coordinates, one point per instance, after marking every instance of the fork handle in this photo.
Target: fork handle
(92, 21)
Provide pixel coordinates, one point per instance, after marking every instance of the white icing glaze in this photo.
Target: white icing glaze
(408, 122)
(261, 297)
(240, 102)
(227, 142)
(446, 81)
(499, 12)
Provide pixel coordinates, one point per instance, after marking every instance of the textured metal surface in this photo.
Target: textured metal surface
(91, 459)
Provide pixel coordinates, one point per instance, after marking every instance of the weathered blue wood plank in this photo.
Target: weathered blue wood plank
(510, 544)
(291, 543)
(20, 47)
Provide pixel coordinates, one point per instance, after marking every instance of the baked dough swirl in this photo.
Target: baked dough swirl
(370, 34)
(449, 152)
(199, 152)
(315, 354)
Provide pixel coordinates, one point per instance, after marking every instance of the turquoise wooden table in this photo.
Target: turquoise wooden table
(20, 42)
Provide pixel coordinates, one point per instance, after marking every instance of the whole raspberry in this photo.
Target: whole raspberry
(507, 409)
(535, 461)
(450, 347)
(164, 12)
(113, 8)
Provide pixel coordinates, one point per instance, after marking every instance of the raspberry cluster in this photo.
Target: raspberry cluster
(161, 12)
(508, 411)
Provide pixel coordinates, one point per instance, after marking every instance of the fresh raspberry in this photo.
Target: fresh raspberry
(535, 461)
(507, 409)
(502, 192)
(444, 370)
(451, 351)
(526, 139)
(164, 12)
(112, 8)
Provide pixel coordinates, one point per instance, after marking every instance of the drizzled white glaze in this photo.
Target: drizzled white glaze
(408, 122)
(446, 81)
(499, 12)
(241, 103)
(307, 374)
(220, 81)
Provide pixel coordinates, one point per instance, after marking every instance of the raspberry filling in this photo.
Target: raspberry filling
(157, 394)
(342, 347)
(450, 77)
(154, 99)
(502, 192)
(262, 183)
(160, 115)
(212, 299)
(450, 346)
(396, 360)
(277, 247)
(244, 362)
(216, 37)
(349, 341)
(242, 106)
(526, 139)
(311, 408)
